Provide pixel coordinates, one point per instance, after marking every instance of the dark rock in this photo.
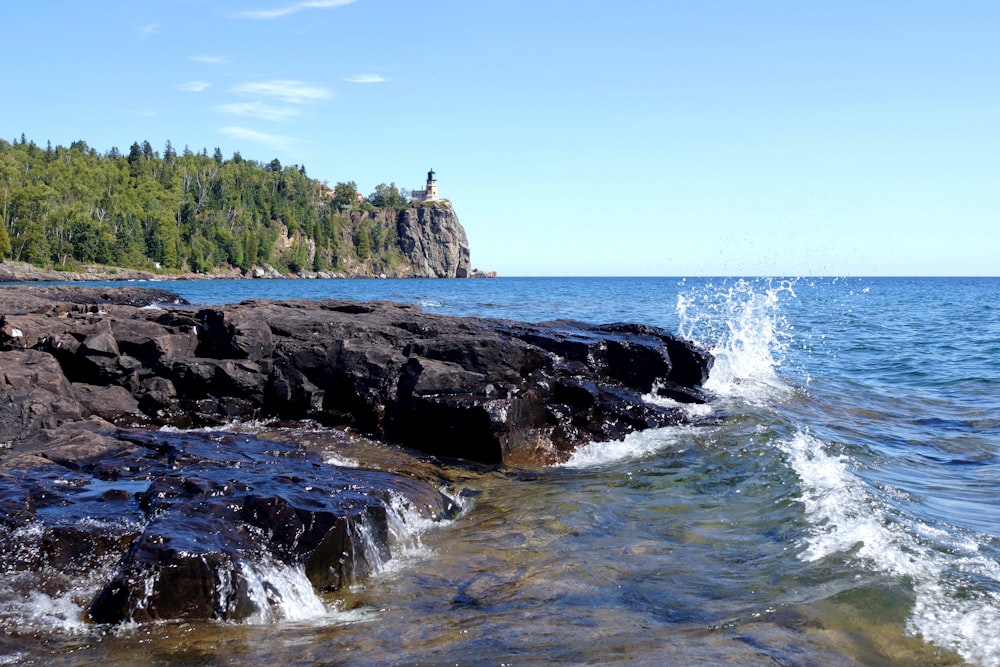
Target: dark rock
(482, 390)
(191, 519)
(34, 394)
(24, 299)
(112, 402)
(207, 523)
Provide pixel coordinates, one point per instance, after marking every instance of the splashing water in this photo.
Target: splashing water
(847, 519)
(634, 446)
(742, 326)
(279, 592)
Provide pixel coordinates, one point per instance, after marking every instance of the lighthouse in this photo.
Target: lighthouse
(431, 191)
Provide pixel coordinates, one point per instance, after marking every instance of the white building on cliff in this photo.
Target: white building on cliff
(429, 193)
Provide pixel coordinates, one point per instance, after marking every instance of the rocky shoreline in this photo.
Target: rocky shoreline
(21, 272)
(88, 375)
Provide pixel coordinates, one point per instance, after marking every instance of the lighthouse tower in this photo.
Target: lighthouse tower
(431, 192)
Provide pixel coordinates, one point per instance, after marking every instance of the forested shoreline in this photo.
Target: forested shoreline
(62, 207)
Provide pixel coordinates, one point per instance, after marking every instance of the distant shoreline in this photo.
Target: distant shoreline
(22, 272)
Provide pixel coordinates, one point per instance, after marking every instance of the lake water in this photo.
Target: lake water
(840, 504)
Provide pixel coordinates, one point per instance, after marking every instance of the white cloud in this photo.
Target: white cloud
(290, 92)
(366, 78)
(211, 60)
(292, 9)
(194, 86)
(275, 141)
(259, 110)
(147, 30)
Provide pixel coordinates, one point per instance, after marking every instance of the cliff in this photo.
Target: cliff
(433, 242)
(419, 242)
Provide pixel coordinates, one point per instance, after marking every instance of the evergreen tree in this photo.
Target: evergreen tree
(4, 242)
(186, 212)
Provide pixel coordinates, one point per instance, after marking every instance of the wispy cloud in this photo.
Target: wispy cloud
(290, 92)
(194, 86)
(366, 78)
(275, 141)
(259, 110)
(211, 60)
(292, 9)
(147, 30)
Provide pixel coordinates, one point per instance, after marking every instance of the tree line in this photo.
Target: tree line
(188, 211)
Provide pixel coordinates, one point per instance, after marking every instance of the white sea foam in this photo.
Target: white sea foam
(691, 410)
(848, 519)
(233, 426)
(43, 599)
(62, 612)
(407, 525)
(335, 459)
(633, 446)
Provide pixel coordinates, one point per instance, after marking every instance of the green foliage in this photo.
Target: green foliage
(387, 196)
(192, 211)
(363, 243)
(4, 242)
(345, 195)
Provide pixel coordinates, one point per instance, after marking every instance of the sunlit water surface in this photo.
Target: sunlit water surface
(836, 505)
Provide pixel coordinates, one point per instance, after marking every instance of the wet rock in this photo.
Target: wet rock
(185, 523)
(209, 524)
(481, 390)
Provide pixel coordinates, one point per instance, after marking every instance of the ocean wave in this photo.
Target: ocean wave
(848, 519)
(633, 446)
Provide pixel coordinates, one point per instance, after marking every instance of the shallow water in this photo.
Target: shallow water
(837, 508)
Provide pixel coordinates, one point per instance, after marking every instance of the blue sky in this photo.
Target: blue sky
(573, 137)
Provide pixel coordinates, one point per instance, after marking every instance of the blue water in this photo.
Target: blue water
(838, 504)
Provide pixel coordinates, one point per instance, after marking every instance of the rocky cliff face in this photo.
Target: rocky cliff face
(430, 241)
(421, 242)
(433, 241)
